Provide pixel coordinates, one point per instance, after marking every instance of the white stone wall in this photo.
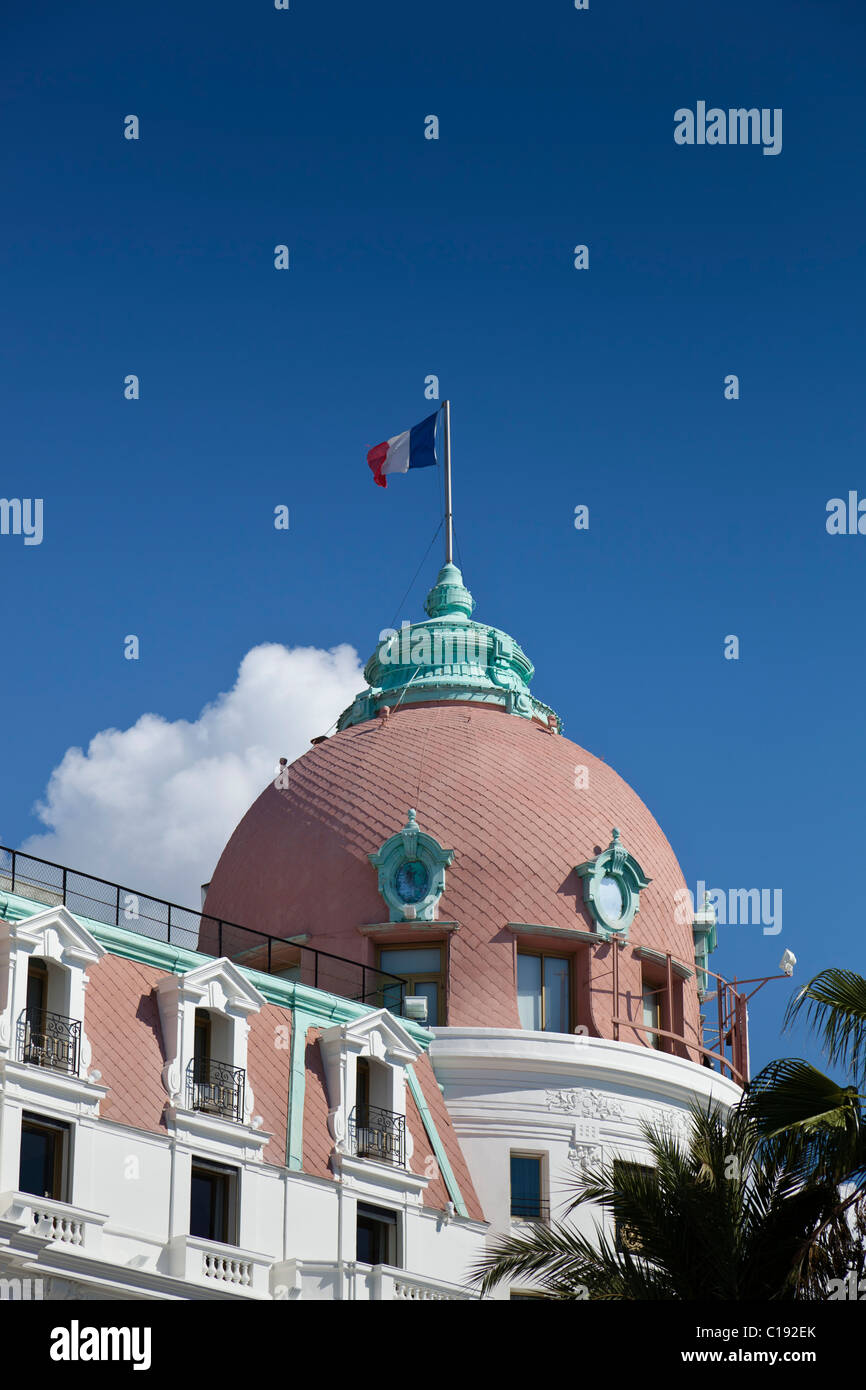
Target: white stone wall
(125, 1231)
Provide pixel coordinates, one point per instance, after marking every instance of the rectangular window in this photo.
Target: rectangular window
(201, 1041)
(625, 1236)
(652, 1012)
(544, 992)
(529, 991)
(377, 1242)
(37, 987)
(421, 968)
(362, 1083)
(46, 1038)
(213, 1203)
(44, 1158)
(527, 1187)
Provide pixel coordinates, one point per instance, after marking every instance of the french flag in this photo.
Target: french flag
(415, 448)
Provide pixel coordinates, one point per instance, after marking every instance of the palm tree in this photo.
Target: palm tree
(792, 1098)
(729, 1215)
(820, 1122)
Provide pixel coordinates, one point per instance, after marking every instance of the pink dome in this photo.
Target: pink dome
(506, 795)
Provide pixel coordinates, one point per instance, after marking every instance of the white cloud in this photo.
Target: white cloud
(151, 807)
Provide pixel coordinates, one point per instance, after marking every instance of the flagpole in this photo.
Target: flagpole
(449, 528)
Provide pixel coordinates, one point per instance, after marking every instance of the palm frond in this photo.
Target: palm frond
(792, 1094)
(834, 1001)
(567, 1265)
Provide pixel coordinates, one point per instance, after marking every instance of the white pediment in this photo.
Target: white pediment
(218, 984)
(378, 1035)
(55, 935)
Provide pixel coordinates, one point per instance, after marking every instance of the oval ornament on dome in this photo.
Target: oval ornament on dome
(412, 881)
(612, 886)
(610, 898)
(411, 867)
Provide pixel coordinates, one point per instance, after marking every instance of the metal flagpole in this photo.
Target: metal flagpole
(449, 529)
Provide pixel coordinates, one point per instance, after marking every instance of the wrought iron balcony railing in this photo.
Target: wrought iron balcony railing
(49, 1040)
(530, 1209)
(215, 1088)
(379, 1134)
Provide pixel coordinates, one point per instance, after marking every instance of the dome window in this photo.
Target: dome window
(412, 881)
(612, 886)
(411, 869)
(610, 898)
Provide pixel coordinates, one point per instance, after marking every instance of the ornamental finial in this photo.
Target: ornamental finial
(449, 597)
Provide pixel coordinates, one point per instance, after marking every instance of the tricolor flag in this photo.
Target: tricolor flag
(415, 448)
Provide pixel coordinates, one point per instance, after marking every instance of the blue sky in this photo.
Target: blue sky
(409, 257)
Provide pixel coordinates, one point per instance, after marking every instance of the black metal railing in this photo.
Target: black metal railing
(379, 1134)
(112, 905)
(530, 1209)
(215, 1088)
(49, 1040)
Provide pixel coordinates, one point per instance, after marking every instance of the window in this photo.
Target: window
(377, 1236)
(376, 1131)
(544, 992)
(362, 1083)
(625, 1236)
(37, 986)
(527, 1187)
(44, 1158)
(610, 898)
(202, 1036)
(204, 1014)
(43, 960)
(47, 1038)
(213, 1085)
(652, 1012)
(612, 885)
(213, 1203)
(421, 968)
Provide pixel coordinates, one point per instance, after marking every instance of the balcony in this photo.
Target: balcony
(49, 1040)
(225, 1269)
(378, 1134)
(320, 1281)
(395, 1286)
(530, 1209)
(215, 1088)
(57, 1223)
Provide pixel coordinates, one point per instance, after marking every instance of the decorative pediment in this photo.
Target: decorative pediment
(378, 1035)
(53, 935)
(612, 885)
(218, 984)
(411, 866)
